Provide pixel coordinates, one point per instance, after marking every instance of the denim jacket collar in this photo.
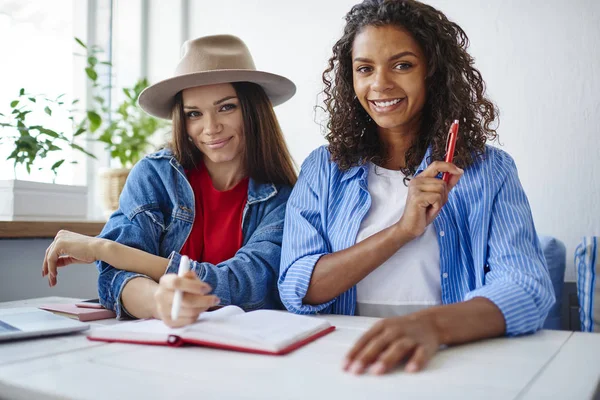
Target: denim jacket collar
(257, 192)
(363, 168)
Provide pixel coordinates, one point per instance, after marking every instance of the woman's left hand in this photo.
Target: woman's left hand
(68, 248)
(392, 340)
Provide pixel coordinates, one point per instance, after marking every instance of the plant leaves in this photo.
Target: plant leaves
(14, 103)
(57, 164)
(95, 120)
(22, 92)
(48, 132)
(48, 111)
(80, 43)
(91, 73)
(32, 99)
(79, 131)
(81, 149)
(92, 60)
(106, 63)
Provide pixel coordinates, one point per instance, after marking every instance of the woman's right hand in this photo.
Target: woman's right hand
(195, 299)
(426, 197)
(69, 248)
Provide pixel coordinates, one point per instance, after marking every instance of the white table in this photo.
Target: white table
(549, 364)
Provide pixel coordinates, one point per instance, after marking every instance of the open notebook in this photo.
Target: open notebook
(261, 331)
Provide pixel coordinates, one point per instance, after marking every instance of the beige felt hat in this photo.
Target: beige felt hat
(211, 60)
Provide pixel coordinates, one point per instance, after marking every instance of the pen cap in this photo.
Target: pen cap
(452, 136)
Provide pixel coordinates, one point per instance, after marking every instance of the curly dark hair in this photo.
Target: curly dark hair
(455, 90)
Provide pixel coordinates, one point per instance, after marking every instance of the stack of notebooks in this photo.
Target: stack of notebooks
(79, 313)
(262, 331)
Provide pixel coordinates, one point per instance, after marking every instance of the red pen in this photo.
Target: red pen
(450, 145)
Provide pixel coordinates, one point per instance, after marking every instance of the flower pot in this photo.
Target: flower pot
(112, 181)
(36, 201)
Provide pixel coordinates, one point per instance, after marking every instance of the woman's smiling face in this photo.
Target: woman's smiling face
(389, 72)
(214, 121)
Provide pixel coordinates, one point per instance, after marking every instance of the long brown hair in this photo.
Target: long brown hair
(455, 89)
(267, 157)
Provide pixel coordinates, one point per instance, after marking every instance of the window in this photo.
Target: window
(37, 53)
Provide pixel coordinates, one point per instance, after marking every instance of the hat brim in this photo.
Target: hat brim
(158, 99)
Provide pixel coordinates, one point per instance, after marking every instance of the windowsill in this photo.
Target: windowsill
(47, 229)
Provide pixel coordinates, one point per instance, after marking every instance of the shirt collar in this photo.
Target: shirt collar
(257, 191)
(363, 168)
(425, 162)
(359, 169)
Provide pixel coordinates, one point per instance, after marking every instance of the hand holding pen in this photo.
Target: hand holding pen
(427, 194)
(182, 297)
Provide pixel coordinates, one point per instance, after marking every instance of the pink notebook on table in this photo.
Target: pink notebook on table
(82, 314)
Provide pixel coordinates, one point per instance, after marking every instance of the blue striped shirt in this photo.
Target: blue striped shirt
(488, 243)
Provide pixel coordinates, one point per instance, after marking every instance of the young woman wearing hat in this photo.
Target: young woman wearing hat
(217, 194)
(446, 263)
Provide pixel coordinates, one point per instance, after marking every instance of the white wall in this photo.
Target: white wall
(540, 59)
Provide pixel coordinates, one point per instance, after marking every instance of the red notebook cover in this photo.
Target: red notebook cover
(82, 314)
(262, 331)
(176, 341)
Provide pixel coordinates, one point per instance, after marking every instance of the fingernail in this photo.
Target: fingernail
(460, 170)
(357, 367)
(346, 364)
(216, 301)
(411, 367)
(377, 368)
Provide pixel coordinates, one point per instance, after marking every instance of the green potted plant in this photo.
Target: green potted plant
(126, 130)
(31, 143)
(127, 136)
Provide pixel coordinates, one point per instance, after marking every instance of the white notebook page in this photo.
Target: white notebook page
(270, 329)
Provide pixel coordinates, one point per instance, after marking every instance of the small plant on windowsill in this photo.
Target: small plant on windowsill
(33, 142)
(40, 132)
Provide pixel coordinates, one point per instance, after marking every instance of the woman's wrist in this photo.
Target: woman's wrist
(436, 317)
(400, 234)
(465, 321)
(101, 247)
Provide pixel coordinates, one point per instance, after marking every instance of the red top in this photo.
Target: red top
(217, 231)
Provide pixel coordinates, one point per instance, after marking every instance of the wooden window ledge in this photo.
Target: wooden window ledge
(47, 229)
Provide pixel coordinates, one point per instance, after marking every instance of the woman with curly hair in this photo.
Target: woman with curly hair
(371, 230)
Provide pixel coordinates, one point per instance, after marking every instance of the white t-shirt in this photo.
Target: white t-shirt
(410, 279)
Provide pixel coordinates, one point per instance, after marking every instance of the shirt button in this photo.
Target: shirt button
(442, 233)
(445, 275)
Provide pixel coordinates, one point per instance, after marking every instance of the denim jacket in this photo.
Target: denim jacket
(156, 214)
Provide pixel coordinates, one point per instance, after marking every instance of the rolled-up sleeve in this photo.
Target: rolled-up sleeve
(111, 281)
(133, 227)
(303, 236)
(518, 282)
